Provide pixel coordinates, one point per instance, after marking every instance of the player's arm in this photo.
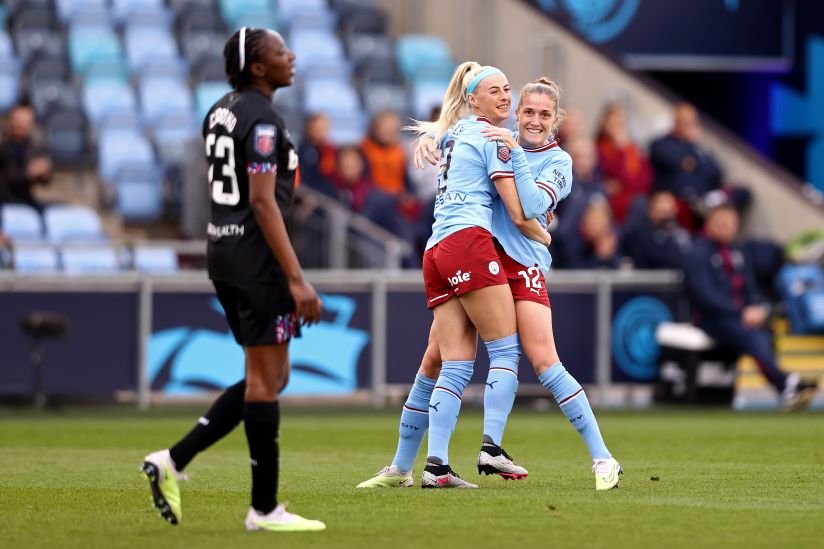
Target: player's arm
(262, 171)
(426, 150)
(555, 179)
(534, 200)
(530, 228)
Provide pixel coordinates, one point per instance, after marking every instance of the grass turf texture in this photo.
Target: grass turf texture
(692, 479)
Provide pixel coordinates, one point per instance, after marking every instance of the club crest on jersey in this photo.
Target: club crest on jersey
(264, 139)
(503, 152)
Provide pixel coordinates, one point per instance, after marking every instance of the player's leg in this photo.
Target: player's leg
(457, 343)
(535, 327)
(163, 467)
(413, 424)
(267, 325)
(501, 386)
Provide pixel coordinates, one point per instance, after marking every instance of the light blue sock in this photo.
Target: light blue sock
(501, 385)
(445, 405)
(573, 402)
(414, 422)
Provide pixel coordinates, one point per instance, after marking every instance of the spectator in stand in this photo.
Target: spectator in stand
(724, 296)
(586, 182)
(385, 154)
(23, 162)
(351, 183)
(572, 128)
(598, 243)
(317, 155)
(656, 241)
(627, 171)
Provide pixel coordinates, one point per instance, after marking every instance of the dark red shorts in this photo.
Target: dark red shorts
(461, 262)
(526, 283)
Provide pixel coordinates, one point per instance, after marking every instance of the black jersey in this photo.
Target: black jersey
(245, 135)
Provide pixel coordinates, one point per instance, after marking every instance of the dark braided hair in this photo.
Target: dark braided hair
(240, 78)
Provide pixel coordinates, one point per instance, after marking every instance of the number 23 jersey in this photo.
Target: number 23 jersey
(244, 135)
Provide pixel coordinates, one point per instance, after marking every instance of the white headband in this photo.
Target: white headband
(242, 48)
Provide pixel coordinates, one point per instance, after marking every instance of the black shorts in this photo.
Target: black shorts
(258, 314)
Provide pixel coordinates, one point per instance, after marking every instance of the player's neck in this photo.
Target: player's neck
(261, 88)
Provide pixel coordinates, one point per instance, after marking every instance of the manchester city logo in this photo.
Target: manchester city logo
(598, 20)
(634, 347)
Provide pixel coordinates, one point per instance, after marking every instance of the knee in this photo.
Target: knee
(260, 390)
(431, 363)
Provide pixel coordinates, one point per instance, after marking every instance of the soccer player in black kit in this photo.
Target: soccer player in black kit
(255, 271)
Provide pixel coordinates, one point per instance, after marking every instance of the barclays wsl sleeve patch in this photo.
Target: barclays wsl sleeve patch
(264, 139)
(504, 154)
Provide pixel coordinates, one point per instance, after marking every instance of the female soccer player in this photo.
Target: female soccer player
(461, 260)
(525, 261)
(255, 271)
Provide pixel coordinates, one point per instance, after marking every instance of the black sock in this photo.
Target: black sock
(221, 419)
(261, 420)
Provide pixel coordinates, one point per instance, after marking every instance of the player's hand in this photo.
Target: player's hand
(308, 305)
(426, 150)
(495, 133)
(754, 316)
(547, 238)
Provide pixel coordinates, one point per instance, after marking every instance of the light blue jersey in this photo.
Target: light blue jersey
(466, 192)
(552, 169)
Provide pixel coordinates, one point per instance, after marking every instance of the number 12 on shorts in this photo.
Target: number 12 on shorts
(532, 277)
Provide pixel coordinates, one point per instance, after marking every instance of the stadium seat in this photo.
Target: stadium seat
(6, 47)
(144, 44)
(365, 48)
(90, 259)
(209, 69)
(155, 260)
(373, 71)
(316, 50)
(73, 222)
(71, 10)
(89, 45)
(139, 195)
(32, 44)
(236, 12)
(163, 96)
(415, 51)
(118, 149)
(49, 95)
(35, 259)
(66, 137)
(264, 19)
(198, 44)
(360, 19)
(379, 97)
(288, 98)
(126, 11)
(20, 222)
(200, 20)
(9, 84)
(330, 96)
(291, 8)
(425, 96)
(207, 94)
(312, 21)
(104, 98)
(171, 133)
(34, 17)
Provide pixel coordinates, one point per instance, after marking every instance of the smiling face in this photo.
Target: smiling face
(492, 98)
(536, 115)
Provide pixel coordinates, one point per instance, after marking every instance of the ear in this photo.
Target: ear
(471, 100)
(257, 70)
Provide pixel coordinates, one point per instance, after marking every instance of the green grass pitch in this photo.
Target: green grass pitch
(692, 479)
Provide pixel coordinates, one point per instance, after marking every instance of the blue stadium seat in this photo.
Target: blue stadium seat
(6, 47)
(316, 50)
(120, 149)
(237, 13)
(199, 44)
(155, 260)
(207, 94)
(139, 195)
(35, 259)
(107, 98)
(425, 96)
(171, 133)
(312, 21)
(70, 11)
(73, 222)
(127, 11)
(9, 85)
(90, 260)
(416, 51)
(380, 97)
(369, 47)
(145, 44)
(93, 44)
(38, 43)
(20, 222)
(163, 96)
(331, 96)
(66, 137)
